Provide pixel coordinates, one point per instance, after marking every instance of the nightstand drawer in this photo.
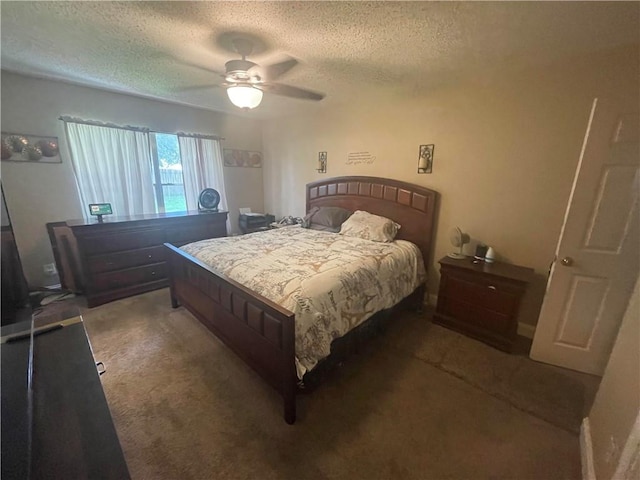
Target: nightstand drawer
(130, 276)
(482, 319)
(482, 292)
(130, 258)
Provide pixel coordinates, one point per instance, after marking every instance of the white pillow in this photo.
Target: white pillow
(369, 227)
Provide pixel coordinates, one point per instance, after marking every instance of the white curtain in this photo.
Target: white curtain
(201, 168)
(112, 165)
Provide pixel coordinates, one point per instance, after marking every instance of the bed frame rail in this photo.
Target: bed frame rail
(259, 331)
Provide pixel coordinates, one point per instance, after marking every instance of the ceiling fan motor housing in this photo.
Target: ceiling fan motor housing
(237, 70)
(245, 80)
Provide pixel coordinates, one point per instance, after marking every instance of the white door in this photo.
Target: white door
(596, 263)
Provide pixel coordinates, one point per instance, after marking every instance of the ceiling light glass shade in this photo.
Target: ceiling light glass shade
(244, 96)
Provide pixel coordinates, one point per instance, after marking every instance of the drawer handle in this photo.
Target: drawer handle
(149, 256)
(100, 370)
(153, 273)
(109, 263)
(491, 287)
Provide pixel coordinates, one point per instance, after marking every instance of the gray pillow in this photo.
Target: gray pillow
(326, 218)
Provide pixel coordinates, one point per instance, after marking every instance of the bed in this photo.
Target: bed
(252, 320)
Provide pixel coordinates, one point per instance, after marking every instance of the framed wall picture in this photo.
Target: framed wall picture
(21, 147)
(242, 158)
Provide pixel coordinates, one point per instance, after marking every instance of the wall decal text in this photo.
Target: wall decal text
(360, 158)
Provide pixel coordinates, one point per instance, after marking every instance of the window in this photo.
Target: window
(140, 172)
(167, 167)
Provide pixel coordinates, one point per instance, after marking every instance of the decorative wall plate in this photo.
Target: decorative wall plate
(29, 148)
(242, 158)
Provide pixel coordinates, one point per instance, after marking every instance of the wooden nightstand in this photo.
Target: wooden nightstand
(482, 299)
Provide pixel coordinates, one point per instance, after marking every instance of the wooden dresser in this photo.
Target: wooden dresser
(482, 299)
(125, 256)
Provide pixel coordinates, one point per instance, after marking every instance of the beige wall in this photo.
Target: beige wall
(506, 149)
(41, 193)
(617, 403)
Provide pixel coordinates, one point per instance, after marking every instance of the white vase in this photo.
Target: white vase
(490, 256)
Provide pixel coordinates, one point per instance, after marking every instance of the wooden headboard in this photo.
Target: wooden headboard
(411, 206)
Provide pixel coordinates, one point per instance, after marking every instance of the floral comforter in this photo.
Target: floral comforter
(331, 282)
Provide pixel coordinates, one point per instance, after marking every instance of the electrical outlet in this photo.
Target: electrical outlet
(50, 269)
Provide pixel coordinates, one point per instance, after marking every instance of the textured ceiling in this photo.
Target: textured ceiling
(344, 48)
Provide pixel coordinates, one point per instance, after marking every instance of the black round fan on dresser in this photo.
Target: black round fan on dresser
(208, 200)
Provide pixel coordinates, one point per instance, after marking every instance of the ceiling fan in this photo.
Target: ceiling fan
(245, 81)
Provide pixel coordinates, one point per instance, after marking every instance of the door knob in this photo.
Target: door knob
(567, 261)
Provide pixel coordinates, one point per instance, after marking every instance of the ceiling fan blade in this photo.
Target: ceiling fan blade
(289, 91)
(272, 72)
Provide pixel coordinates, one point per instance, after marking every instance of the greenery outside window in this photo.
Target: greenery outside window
(168, 181)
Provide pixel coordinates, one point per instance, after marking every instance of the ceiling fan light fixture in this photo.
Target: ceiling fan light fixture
(244, 96)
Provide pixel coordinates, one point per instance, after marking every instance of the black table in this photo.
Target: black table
(58, 424)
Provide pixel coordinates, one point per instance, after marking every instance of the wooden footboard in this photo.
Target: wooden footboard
(261, 332)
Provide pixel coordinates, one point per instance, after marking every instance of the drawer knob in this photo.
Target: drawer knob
(153, 273)
(491, 287)
(149, 256)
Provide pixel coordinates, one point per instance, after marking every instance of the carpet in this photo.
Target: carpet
(418, 402)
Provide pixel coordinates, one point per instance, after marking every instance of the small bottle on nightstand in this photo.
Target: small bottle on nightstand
(481, 252)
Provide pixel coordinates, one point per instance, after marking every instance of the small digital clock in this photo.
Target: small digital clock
(100, 209)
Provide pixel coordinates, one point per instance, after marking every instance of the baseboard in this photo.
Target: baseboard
(526, 330)
(586, 451)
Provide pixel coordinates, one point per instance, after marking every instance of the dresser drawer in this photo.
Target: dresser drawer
(122, 241)
(129, 276)
(194, 233)
(126, 259)
(482, 292)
